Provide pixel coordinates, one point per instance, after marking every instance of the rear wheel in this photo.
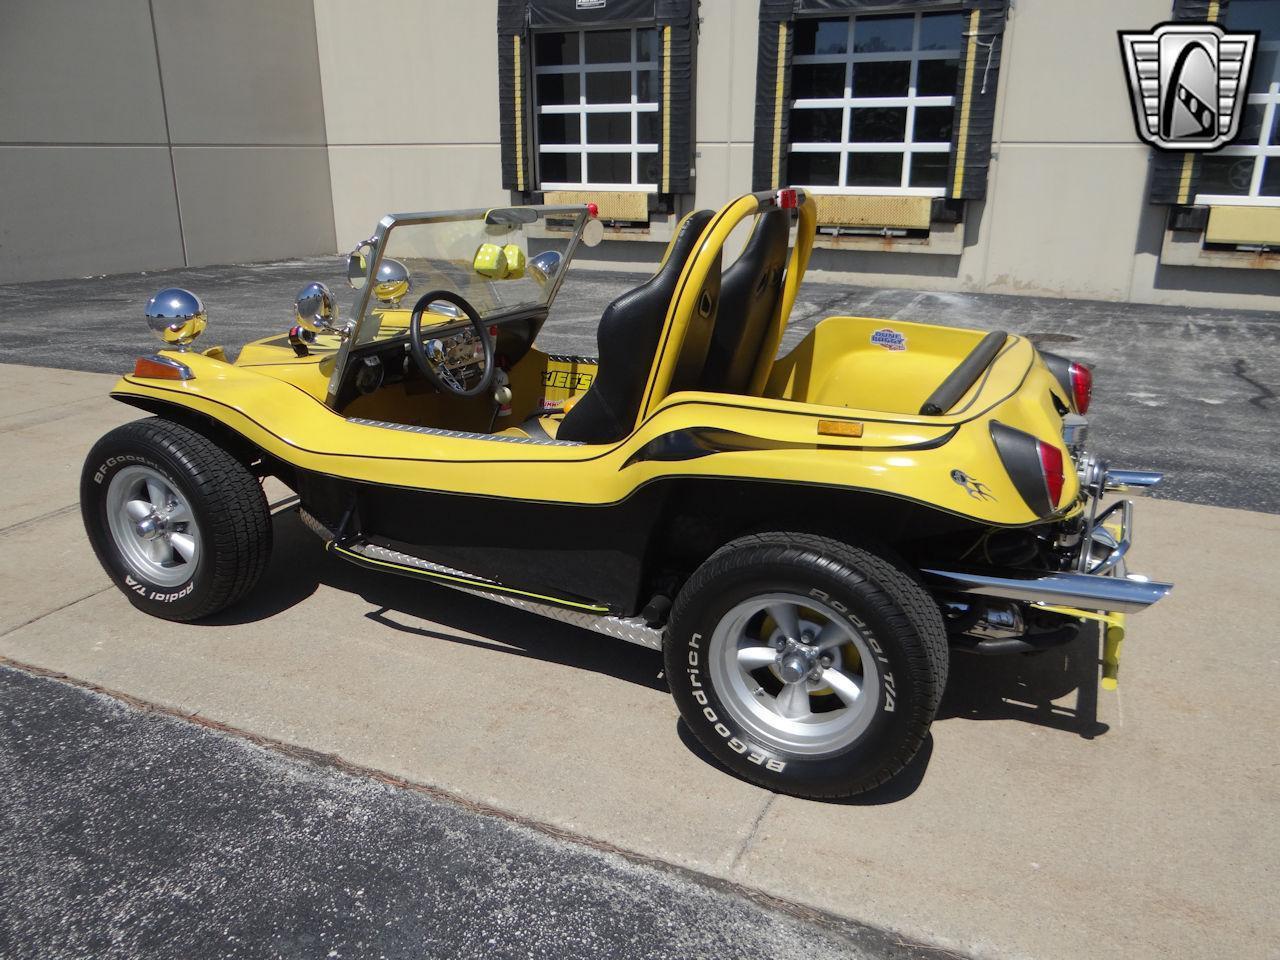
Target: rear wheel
(806, 665)
(181, 525)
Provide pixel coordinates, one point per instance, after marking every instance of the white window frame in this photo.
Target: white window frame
(634, 107)
(1270, 101)
(847, 103)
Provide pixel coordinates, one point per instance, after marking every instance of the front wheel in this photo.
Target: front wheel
(181, 525)
(806, 665)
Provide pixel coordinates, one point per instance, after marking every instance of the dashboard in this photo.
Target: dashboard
(387, 360)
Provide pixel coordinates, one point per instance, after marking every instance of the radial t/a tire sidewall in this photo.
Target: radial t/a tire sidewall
(850, 769)
(109, 457)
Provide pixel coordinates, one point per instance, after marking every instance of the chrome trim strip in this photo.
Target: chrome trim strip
(462, 434)
(1112, 594)
(631, 629)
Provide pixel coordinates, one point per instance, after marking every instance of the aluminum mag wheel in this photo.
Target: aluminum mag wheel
(794, 672)
(805, 664)
(178, 521)
(153, 526)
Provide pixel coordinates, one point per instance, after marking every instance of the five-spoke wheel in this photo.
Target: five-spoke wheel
(793, 671)
(179, 522)
(805, 664)
(152, 525)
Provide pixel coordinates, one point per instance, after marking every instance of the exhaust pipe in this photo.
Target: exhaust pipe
(1091, 592)
(1124, 479)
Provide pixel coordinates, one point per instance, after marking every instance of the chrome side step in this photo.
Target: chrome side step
(630, 629)
(1089, 591)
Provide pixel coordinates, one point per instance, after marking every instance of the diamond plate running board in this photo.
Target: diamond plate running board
(630, 629)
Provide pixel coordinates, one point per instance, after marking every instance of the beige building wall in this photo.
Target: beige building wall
(140, 135)
(177, 131)
(410, 102)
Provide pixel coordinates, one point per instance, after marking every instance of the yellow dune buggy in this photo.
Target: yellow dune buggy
(806, 537)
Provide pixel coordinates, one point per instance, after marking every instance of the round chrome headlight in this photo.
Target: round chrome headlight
(546, 266)
(176, 316)
(392, 281)
(314, 308)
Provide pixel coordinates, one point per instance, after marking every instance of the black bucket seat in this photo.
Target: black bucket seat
(627, 341)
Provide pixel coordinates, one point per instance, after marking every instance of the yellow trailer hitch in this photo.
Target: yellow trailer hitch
(1111, 641)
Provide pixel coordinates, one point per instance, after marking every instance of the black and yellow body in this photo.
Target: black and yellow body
(600, 485)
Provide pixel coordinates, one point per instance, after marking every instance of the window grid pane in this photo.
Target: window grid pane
(596, 106)
(890, 80)
(1250, 167)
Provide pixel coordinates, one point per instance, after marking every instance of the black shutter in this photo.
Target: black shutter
(676, 39)
(514, 95)
(1174, 176)
(773, 95)
(975, 110)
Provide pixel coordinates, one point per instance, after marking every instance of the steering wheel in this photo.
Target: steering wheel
(432, 358)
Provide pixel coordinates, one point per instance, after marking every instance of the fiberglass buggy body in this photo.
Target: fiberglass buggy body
(806, 537)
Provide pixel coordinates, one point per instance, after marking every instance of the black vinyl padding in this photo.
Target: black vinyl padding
(628, 340)
(749, 294)
(959, 380)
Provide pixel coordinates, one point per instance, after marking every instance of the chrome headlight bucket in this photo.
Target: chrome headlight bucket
(314, 309)
(176, 316)
(391, 283)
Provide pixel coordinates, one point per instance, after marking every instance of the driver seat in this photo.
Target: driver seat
(627, 340)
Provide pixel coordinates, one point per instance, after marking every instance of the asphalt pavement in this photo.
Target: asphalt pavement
(128, 833)
(1189, 391)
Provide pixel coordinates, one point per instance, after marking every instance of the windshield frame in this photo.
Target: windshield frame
(378, 241)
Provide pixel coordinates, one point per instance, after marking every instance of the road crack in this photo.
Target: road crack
(1264, 392)
(751, 834)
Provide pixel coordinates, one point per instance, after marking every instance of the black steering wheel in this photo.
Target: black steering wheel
(433, 358)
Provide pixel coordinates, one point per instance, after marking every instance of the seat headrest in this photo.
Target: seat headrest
(687, 234)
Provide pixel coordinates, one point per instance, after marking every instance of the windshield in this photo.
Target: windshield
(496, 259)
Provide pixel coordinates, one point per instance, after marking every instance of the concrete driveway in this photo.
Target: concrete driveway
(1044, 817)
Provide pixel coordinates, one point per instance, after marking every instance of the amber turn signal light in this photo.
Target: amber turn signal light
(839, 428)
(161, 368)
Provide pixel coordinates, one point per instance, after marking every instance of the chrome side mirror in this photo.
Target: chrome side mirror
(176, 316)
(592, 232)
(392, 282)
(358, 261)
(546, 266)
(314, 309)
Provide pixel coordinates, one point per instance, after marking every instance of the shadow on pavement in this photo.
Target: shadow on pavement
(299, 565)
(1026, 688)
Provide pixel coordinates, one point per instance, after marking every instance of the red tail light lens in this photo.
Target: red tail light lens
(593, 210)
(1051, 465)
(788, 199)
(1081, 386)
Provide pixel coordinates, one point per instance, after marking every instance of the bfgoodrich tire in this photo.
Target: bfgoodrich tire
(806, 665)
(181, 525)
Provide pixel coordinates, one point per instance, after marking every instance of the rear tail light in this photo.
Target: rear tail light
(1051, 466)
(593, 210)
(788, 199)
(1075, 378)
(1036, 468)
(1081, 386)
